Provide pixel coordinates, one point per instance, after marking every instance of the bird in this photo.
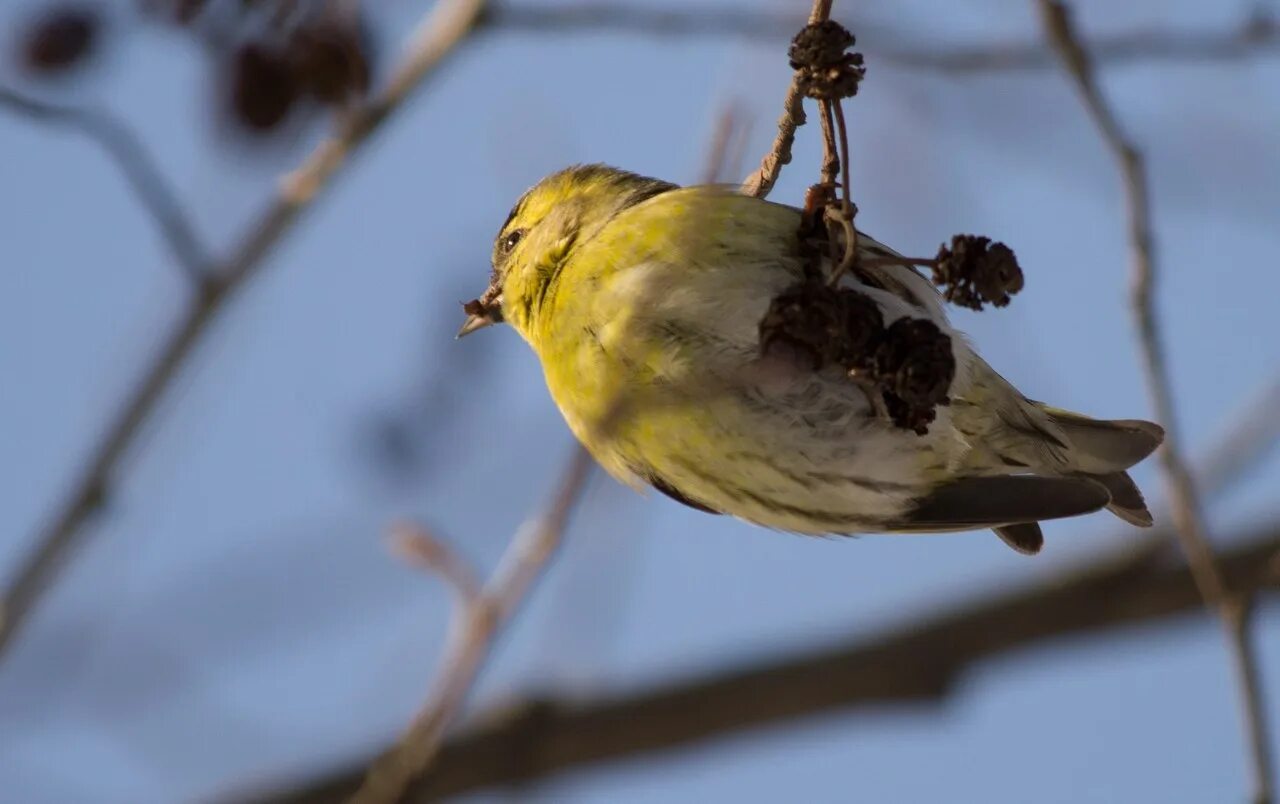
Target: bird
(643, 302)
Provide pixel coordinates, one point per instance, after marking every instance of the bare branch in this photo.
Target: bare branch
(145, 179)
(1184, 501)
(1237, 616)
(1258, 35)
(449, 24)
(761, 182)
(1250, 436)
(725, 150)
(479, 620)
(920, 662)
(419, 547)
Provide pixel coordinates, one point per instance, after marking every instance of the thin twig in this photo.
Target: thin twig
(760, 183)
(1250, 436)
(1256, 35)
(136, 163)
(475, 627)
(725, 146)
(419, 547)
(1188, 516)
(917, 663)
(1237, 615)
(888, 259)
(848, 210)
(448, 24)
(830, 152)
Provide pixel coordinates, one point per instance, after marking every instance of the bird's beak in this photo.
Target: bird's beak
(481, 313)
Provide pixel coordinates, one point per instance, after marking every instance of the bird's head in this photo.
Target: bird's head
(562, 210)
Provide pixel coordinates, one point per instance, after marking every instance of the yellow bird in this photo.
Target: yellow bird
(643, 301)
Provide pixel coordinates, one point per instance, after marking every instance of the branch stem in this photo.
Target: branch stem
(1186, 510)
(145, 178)
(442, 30)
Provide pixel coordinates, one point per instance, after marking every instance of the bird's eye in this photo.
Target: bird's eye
(509, 242)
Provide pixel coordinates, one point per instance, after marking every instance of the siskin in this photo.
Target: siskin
(643, 301)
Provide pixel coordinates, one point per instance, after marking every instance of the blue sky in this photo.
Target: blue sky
(236, 619)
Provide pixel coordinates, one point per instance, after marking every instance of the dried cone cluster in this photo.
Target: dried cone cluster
(973, 270)
(907, 367)
(914, 364)
(60, 38)
(826, 70)
(325, 60)
(909, 363)
(276, 55)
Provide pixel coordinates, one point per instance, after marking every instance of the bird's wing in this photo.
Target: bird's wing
(971, 503)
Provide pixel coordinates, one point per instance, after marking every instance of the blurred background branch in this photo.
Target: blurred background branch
(479, 618)
(145, 178)
(918, 663)
(1142, 583)
(449, 24)
(1257, 34)
(440, 32)
(1232, 603)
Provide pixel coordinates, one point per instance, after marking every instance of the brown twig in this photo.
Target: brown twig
(1185, 506)
(761, 182)
(448, 24)
(848, 210)
(419, 547)
(1252, 434)
(725, 149)
(830, 151)
(136, 163)
(1258, 34)
(917, 663)
(479, 617)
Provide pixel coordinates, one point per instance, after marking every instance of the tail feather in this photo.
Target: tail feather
(1101, 450)
(1126, 499)
(1024, 537)
(1101, 447)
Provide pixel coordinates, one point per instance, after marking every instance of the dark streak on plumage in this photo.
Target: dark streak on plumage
(547, 284)
(838, 522)
(1029, 429)
(674, 493)
(812, 478)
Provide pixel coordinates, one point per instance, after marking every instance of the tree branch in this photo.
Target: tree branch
(478, 620)
(921, 662)
(761, 182)
(728, 141)
(448, 24)
(1255, 35)
(1188, 515)
(1250, 437)
(145, 179)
